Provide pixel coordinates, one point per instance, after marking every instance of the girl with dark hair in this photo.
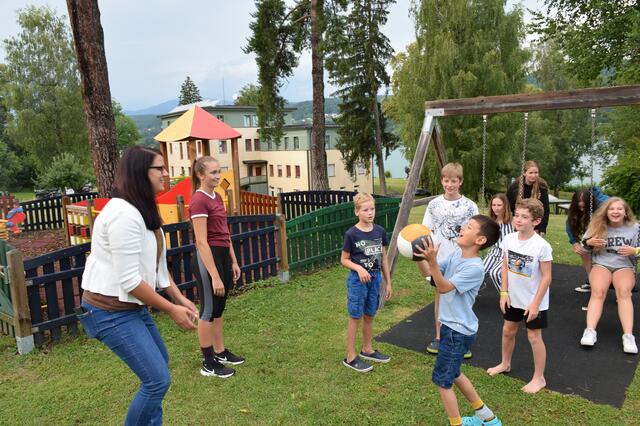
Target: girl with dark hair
(530, 185)
(126, 265)
(492, 262)
(583, 204)
(215, 266)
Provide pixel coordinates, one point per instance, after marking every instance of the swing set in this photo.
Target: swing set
(485, 105)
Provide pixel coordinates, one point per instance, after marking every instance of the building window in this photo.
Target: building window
(279, 190)
(288, 171)
(269, 146)
(297, 171)
(360, 168)
(246, 120)
(170, 148)
(182, 171)
(254, 121)
(327, 141)
(181, 151)
(256, 144)
(271, 170)
(198, 147)
(286, 143)
(220, 117)
(331, 170)
(296, 142)
(247, 145)
(279, 170)
(189, 170)
(258, 171)
(173, 173)
(168, 123)
(223, 147)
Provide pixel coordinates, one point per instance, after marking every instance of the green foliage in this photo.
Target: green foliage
(249, 95)
(65, 171)
(387, 174)
(623, 178)
(596, 35)
(126, 129)
(189, 92)
(277, 38)
(463, 49)
(356, 58)
(42, 88)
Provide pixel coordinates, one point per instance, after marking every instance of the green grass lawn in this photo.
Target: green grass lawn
(24, 196)
(293, 337)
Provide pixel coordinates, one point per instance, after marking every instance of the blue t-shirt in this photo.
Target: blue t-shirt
(366, 248)
(456, 306)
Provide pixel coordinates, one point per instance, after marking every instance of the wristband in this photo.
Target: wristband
(504, 293)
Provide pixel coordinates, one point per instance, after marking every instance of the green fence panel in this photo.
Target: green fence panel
(6, 309)
(315, 239)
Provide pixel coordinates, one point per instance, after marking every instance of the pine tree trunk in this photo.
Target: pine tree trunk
(379, 154)
(92, 64)
(319, 179)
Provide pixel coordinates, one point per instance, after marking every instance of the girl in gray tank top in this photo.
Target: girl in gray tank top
(612, 237)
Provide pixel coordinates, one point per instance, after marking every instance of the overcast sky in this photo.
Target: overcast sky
(151, 46)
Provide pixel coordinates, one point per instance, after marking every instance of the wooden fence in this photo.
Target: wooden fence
(254, 203)
(6, 310)
(47, 213)
(299, 203)
(315, 239)
(7, 202)
(52, 281)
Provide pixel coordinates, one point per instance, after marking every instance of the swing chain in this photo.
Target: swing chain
(592, 159)
(524, 140)
(484, 158)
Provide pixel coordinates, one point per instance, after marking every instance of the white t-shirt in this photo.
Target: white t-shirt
(523, 264)
(445, 218)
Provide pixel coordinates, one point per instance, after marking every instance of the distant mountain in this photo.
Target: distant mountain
(155, 109)
(149, 125)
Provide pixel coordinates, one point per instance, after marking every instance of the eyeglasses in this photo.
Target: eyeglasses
(158, 168)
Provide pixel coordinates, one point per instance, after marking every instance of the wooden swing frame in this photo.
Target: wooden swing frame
(522, 102)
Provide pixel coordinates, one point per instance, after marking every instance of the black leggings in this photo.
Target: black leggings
(212, 306)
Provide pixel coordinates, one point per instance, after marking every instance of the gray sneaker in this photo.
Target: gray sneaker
(434, 346)
(358, 365)
(376, 356)
(584, 288)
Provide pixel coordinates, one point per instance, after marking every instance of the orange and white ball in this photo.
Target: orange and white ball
(410, 236)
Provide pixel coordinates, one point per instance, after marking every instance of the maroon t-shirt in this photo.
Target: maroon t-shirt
(211, 207)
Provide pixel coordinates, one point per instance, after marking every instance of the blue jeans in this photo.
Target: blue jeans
(363, 298)
(133, 336)
(453, 346)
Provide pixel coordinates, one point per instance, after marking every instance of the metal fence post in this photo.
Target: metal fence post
(20, 302)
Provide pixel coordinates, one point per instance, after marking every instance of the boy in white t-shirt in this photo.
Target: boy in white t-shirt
(526, 276)
(445, 215)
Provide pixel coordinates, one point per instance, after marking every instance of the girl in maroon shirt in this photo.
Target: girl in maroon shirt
(215, 266)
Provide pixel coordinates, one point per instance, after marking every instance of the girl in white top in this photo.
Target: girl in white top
(492, 262)
(126, 265)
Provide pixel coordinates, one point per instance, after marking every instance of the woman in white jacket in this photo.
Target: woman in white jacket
(126, 265)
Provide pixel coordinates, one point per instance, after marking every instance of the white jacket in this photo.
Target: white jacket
(123, 253)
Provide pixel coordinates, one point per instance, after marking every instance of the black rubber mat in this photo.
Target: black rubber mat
(601, 374)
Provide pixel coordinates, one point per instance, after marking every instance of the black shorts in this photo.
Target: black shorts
(517, 315)
(212, 306)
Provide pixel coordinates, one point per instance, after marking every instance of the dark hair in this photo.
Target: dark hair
(489, 229)
(198, 166)
(132, 183)
(579, 219)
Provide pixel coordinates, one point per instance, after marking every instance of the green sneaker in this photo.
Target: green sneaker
(434, 346)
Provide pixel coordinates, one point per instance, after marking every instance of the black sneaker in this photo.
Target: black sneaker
(227, 357)
(434, 346)
(358, 365)
(376, 356)
(584, 288)
(216, 369)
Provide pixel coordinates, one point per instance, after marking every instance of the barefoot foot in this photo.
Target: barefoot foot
(498, 369)
(534, 385)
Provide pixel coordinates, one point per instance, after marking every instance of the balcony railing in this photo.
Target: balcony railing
(252, 180)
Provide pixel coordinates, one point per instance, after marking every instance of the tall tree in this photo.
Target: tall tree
(463, 49)
(249, 95)
(357, 64)
(42, 88)
(279, 34)
(189, 93)
(92, 64)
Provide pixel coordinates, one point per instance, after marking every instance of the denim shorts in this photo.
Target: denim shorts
(363, 298)
(453, 346)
